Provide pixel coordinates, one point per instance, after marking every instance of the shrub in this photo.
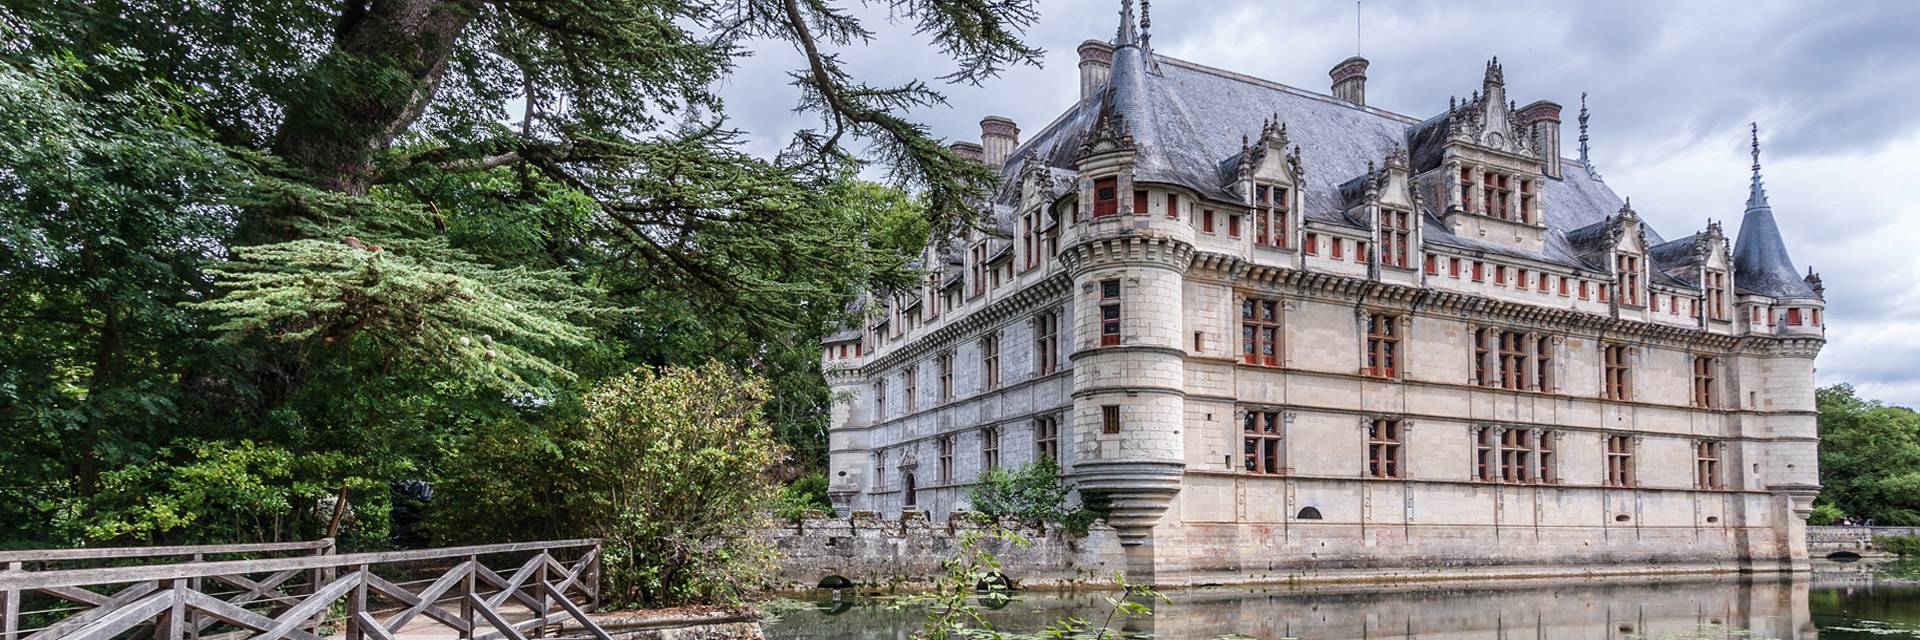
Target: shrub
(1032, 493)
(805, 493)
(674, 464)
(1903, 546)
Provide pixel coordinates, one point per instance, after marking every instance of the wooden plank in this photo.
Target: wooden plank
(400, 594)
(314, 604)
(494, 618)
(494, 579)
(124, 618)
(129, 594)
(259, 590)
(237, 616)
(427, 598)
(102, 553)
(373, 628)
(13, 581)
(76, 594)
(520, 577)
(578, 615)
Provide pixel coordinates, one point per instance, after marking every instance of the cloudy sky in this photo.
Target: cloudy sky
(1835, 87)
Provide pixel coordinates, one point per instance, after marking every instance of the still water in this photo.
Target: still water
(1838, 603)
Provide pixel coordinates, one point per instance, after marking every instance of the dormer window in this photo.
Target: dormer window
(1466, 189)
(1716, 295)
(1502, 193)
(1526, 201)
(977, 262)
(1106, 197)
(1395, 229)
(1627, 268)
(1271, 209)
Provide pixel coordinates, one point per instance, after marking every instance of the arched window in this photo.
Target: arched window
(1308, 513)
(908, 486)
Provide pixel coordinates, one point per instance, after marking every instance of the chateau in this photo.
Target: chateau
(1279, 333)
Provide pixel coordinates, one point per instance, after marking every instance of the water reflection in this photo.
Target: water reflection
(1843, 605)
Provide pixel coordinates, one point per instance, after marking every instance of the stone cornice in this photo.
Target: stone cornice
(1347, 289)
(1041, 293)
(1127, 247)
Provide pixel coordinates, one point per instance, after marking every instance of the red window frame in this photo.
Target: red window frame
(1383, 345)
(1106, 197)
(1260, 332)
(1260, 442)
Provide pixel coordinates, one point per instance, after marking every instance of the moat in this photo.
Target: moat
(1838, 602)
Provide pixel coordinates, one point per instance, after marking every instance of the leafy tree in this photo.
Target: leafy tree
(1869, 458)
(375, 235)
(670, 467)
(1032, 493)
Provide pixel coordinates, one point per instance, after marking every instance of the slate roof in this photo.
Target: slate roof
(1188, 121)
(1760, 261)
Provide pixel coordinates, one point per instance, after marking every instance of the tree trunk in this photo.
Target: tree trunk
(385, 65)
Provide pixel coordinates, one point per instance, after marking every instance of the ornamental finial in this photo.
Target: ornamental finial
(1756, 148)
(1583, 127)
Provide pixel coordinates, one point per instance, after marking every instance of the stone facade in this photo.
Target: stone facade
(910, 551)
(1297, 336)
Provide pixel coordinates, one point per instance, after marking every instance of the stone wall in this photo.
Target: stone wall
(908, 551)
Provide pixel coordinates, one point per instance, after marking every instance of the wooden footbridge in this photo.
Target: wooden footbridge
(302, 591)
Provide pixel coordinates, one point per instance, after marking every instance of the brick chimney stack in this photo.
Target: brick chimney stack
(1350, 80)
(998, 138)
(1096, 63)
(1541, 122)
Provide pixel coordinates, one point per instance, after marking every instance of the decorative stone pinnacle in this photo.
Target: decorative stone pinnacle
(1756, 148)
(1128, 32)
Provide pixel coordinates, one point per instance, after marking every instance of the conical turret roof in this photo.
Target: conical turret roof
(1760, 261)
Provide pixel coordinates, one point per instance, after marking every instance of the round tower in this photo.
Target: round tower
(848, 419)
(1128, 264)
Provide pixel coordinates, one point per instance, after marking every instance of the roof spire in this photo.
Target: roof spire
(1760, 260)
(1128, 34)
(1583, 127)
(1146, 24)
(1757, 193)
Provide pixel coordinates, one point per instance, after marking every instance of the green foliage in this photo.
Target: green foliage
(669, 466)
(1903, 546)
(262, 254)
(418, 302)
(1033, 493)
(1869, 458)
(1824, 514)
(805, 493)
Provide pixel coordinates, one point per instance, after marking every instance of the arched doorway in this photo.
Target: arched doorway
(909, 488)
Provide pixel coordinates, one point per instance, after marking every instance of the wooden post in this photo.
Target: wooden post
(10, 609)
(540, 574)
(317, 578)
(467, 596)
(593, 576)
(193, 616)
(173, 623)
(357, 604)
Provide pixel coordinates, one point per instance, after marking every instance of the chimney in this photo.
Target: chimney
(1096, 62)
(998, 137)
(1541, 122)
(968, 150)
(1350, 80)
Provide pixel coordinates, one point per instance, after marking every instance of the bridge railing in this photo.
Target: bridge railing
(488, 592)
